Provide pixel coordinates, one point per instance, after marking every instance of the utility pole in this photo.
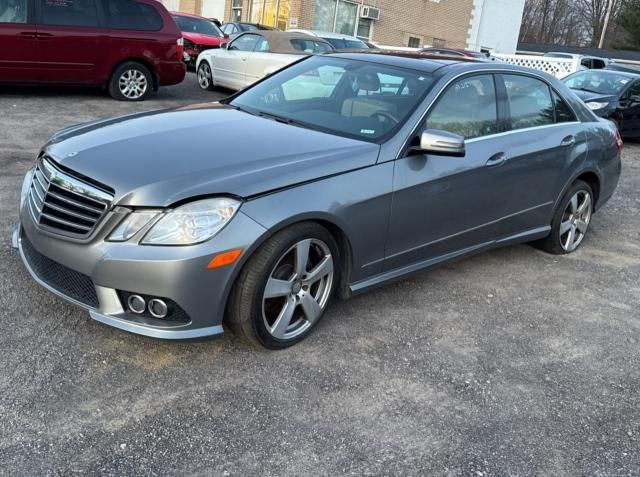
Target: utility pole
(606, 22)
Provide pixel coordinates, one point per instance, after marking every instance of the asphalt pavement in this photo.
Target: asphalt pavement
(513, 362)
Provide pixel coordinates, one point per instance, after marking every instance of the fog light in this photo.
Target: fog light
(136, 304)
(158, 308)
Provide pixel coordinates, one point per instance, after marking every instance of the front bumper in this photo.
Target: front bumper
(93, 275)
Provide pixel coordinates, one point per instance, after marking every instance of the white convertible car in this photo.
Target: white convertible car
(254, 55)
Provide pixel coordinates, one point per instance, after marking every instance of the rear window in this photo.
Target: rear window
(310, 46)
(80, 13)
(198, 25)
(347, 44)
(130, 15)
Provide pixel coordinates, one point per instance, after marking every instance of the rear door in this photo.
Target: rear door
(72, 40)
(544, 146)
(18, 51)
(230, 65)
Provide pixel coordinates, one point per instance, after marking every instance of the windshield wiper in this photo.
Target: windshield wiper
(239, 108)
(282, 119)
(588, 90)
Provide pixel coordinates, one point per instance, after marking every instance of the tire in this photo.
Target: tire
(299, 298)
(570, 219)
(205, 76)
(131, 81)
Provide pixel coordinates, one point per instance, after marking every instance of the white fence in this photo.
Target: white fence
(558, 67)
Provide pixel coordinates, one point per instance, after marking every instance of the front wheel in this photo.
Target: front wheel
(285, 288)
(205, 76)
(571, 220)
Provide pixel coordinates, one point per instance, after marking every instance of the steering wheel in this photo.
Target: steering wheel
(385, 117)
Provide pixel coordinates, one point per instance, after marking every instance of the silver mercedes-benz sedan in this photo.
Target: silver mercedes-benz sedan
(335, 175)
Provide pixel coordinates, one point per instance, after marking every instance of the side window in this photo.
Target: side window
(244, 43)
(635, 89)
(131, 15)
(262, 45)
(564, 114)
(467, 108)
(82, 13)
(586, 63)
(529, 101)
(13, 11)
(310, 46)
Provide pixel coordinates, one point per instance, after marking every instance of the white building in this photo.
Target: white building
(495, 25)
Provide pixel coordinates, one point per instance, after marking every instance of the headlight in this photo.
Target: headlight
(26, 186)
(192, 223)
(595, 105)
(131, 225)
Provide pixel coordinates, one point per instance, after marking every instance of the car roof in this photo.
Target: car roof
(280, 41)
(189, 15)
(406, 59)
(609, 72)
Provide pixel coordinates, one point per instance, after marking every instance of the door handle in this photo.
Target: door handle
(496, 160)
(28, 34)
(568, 141)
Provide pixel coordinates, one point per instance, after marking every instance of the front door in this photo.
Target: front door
(72, 41)
(18, 51)
(630, 111)
(441, 204)
(229, 68)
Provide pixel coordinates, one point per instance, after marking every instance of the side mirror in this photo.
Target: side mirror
(224, 46)
(442, 143)
(634, 98)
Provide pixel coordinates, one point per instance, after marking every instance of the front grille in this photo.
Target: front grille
(68, 282)
(64, 204)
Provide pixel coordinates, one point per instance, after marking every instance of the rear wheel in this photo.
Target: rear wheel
(205, 76)
(131, 81)
(285, 288)
(571, 220)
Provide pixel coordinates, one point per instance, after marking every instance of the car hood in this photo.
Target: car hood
(587, 96)
(157, 159)
(200, 39)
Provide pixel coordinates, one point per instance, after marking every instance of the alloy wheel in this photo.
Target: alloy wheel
(204, 76)
(298, 289)
(133, 84)
(575, 220)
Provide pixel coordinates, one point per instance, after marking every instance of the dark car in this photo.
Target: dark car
(330, 177)
(235, 28)
(199, 34)
(614, 95)
(455, 52)
(130, 47)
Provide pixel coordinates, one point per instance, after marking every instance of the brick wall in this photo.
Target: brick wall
(446, 20)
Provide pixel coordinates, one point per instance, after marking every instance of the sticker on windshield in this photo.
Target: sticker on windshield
(367, 131)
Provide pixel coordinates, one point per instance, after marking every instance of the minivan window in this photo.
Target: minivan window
(13, 11)
(529, 101)
(79, 13)
(468, 108)
(131, 15)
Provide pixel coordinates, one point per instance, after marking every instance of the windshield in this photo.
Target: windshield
(347, 44)
(351, 98)
(597, 82)
(198, 25)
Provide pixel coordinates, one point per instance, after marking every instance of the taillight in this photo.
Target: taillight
(618, 141)
(180, 48)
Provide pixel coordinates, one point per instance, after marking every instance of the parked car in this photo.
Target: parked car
(455, 52)
(585, 62)
(234, 29)
(337, 40)
(254, 55)
(614, 95)
(200, 34)
(128, 47)
(309, 197)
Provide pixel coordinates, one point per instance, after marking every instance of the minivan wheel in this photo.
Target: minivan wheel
(131, 81)
(571, 220)
(285, 288)
(205, 76)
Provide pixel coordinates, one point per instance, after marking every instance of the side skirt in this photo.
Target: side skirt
(399, 273)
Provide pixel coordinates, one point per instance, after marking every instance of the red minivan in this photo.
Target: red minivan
(130, 47)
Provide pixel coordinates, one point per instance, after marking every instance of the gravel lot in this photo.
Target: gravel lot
(510, 363)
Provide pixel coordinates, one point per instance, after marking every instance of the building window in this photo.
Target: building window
(236, 11)
(273, 13)
(364, 28)
(439, 43)
(414, 42)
